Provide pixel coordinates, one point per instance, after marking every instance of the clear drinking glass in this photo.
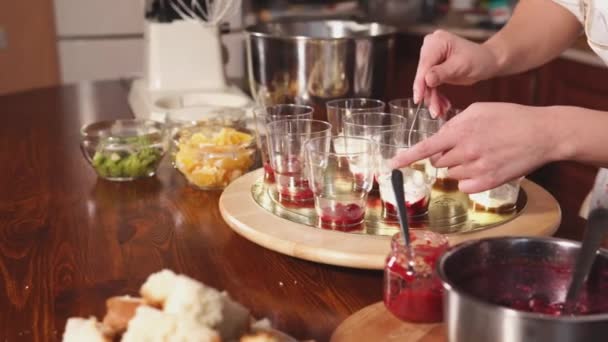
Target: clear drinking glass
(431, 125)
(341, 179)
(337, 110)
(263, 116)
(407, 108)
(368, 125)
(500, 200)
(371, 125)
(428, 124)
(418, 178)
(286, 139)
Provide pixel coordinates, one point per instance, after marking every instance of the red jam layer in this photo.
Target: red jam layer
(268, 173)
(298, 192)
(418, 208)
(349, 215)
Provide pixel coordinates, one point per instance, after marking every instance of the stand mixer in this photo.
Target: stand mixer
(184, 59)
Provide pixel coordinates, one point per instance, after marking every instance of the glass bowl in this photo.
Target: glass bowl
(211, 157)
(211, 116)
(124, 150)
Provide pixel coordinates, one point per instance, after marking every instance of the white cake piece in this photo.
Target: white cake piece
(191, 298)
(83, 329)
(190, 331)
(157, 287)
(150, 325)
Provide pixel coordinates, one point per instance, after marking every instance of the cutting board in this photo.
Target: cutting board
(375, 323)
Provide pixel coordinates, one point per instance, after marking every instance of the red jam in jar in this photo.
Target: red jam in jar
(415, 295)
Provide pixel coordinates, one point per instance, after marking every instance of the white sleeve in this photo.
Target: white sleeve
(574, 6)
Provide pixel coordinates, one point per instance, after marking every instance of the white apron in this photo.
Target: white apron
(594, 16)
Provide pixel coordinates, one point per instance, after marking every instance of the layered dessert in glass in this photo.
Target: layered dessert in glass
(286, 154)
(340, 171)
(263, 116)
(502, 199)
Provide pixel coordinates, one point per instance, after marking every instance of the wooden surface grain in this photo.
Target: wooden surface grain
(69, 240)
(376, 323)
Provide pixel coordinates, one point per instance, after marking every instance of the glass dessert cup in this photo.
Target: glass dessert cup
(418, 178)
(370, 125)
(124, 150)
(263, 116)
(415, 296)
(339, 109)
(500, 200)
(341, 179)
(211, 157)
(431, 126)
(406, 108)
(286, 153)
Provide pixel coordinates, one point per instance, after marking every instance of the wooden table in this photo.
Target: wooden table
(69, 240)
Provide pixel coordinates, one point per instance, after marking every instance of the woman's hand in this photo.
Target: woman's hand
(448, 59)
(489, 144)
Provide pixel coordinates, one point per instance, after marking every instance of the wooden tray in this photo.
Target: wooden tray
(539, 217)
(375, 323)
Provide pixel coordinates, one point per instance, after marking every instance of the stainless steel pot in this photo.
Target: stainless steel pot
(311, 62)
(470, 318)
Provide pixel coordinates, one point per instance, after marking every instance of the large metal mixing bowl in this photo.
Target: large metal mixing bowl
(470, 315)
(310, 62)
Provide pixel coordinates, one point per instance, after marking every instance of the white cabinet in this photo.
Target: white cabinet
(100, 59)
(99, 39)
(103, 39)
(99, 17)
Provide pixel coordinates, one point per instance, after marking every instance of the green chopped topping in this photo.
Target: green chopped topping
(132, 158)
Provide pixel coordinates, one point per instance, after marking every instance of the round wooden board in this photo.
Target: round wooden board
(375, 323)
(540, 217)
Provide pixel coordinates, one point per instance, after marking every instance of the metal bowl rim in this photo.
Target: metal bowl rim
(254, 30)
(448, 286)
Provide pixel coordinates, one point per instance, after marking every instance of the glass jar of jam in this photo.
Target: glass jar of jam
(415, 295)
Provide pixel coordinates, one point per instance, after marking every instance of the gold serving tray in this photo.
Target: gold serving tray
(449, 213)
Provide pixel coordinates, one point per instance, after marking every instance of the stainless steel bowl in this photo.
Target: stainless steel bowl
(310, 62)
(470, 315)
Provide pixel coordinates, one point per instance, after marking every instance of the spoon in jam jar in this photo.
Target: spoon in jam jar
(397, 183)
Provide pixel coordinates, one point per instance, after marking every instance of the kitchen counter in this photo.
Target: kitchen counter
(70, 240)
(579, 52)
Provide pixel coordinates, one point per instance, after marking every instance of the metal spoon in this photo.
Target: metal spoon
(597, 224)
(397, 183)
(409, 136)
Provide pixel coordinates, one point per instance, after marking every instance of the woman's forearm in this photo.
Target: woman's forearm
(580, 134)
(538, 31)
